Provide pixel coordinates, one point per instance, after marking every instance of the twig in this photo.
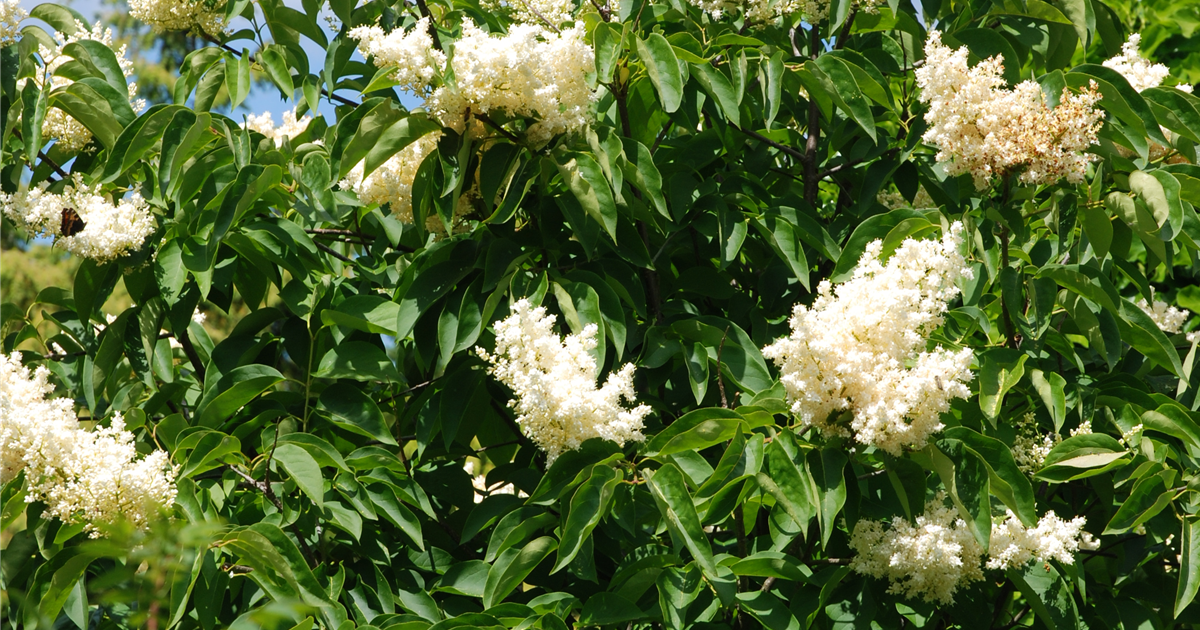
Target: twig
(190, 350)
(504, 132)
(833, 170)
(782, 147)
(269, 493)
(721, 381)
(329, 251)
(814, 135)
(433, 35)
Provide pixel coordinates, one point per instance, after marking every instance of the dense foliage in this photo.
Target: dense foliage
(663, 314)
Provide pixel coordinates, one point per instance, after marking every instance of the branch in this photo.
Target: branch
(269, 493)
(494, 125)
(327, 250)
(191, 353)
(814, 135)
(433, 35)
(782, 147)
(833, 170)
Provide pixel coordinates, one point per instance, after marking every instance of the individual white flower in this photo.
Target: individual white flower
(411, 52)
(110, 230)
(861, 347)
(11, 15)
(892, 199)
(1168, 318)
(982, 128)
(392, 182)
(180, 15)
(1013, 545)
(264, 124)
(198, 316)
(558, 404)
(930, 560)
(530, 72)
(68, 133)
(82, 476)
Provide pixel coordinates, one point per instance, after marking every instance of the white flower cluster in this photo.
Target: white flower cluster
(1141, 73)
(547, 12)
(982, 128)
(939, 555)
(1030, 447)
(392, 182)
(412, 53)
(530, 72)
(558, 404)
(81, 476)
(264, 124)
(931, 560)
(1013, 545)
(892, 199)
(70, 134)
(765, 10)
(11, 15)
(852, 349)
(1168, 318)
(180, 15)
(110, 229)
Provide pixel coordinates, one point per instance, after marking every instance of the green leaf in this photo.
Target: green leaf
(1048, 593)
(354, 411)
(304, 470)
(368, 313)
(1160, 191)
(1006, 479)
(1000, 371)
(1149, 497)
(1189, 567)
(716, 84)
(792, 486)
(825, 466)
(607, 44)
(785, 240)
(588, 506)
(1082, 456)
(772, 612)
(234, 390)
(696, 358)
(1052, 389)
(1140, 331)
(1098, 228)
(357, 360)
(663, 67)
(274, 63)
(873, 228)
(848, 94)
(237, 78)
(606, 609)
(670, 492)
(513, 567)
(695, 430)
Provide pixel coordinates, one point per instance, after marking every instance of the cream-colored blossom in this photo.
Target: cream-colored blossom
(110, 229)
(1168, 318)
(530, 72)
(765, 10)
(289, 128)
(391, 183)
(982, 128)
(1013, 545)
(930, 560)
(558, 404)
(861, 348)
(11, 15)
(412, 53)
(551, 13)
(70, 134)
(82, 476)
(180, 15)
(1141, 73)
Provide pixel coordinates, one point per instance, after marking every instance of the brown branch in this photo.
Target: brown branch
(721, 381)
(424, 9)
(649, 276)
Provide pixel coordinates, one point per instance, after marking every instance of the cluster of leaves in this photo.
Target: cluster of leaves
(730, 168)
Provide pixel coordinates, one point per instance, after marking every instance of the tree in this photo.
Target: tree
(720, 314)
